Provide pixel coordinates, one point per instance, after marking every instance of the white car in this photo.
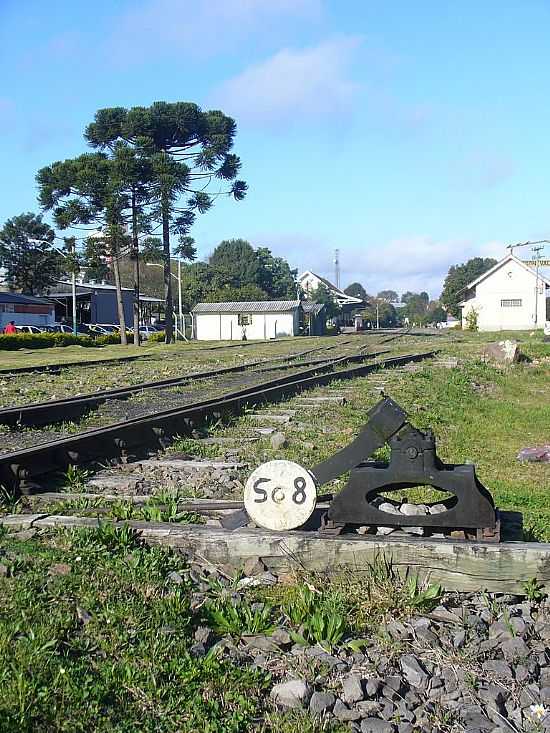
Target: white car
(28, 329)
(146, 332)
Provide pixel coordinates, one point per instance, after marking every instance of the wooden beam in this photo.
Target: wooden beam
(457, 565)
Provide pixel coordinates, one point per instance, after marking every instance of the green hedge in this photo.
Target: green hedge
(9, 342)
(156, 337)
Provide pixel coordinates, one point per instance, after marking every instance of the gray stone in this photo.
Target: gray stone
(197, 650)
(386, 506)
(203, 634)
(253, 566)
(419, 531)
(503, 352)
(437, 508)
(291, 694)
(375, 725)
(174, 577)
(281, 637)
(321, 703)
(373, 686)
(413, 510)
(368, 708)
(514, 649)
(459, 639)
(545, 696)
(343, 713)
(500, 630)
(493, 695)
(278, 440)
(414, 672)
(498, 667)
(473, 716)
(385, 530)
(352, 689)
(262, 642)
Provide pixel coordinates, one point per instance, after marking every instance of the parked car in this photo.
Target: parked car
(28, 329)
(97, 330)
(146, 332)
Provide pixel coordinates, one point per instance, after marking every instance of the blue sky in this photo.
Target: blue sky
(409, 135)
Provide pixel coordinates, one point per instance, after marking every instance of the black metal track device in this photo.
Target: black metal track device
(469, 512)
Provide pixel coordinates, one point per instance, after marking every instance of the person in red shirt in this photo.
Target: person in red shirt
(10, 328)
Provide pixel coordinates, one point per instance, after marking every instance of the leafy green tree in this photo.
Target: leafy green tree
(189, 152)
(322, 294)
(277, 279)
(458, 277)
(27, 254)
(356, 290)
(387, 315)
(86, 191)
(244, 293)
(388, 295)
(236, 263)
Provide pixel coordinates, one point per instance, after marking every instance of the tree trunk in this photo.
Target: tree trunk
(135, 252)
(119, 301)
(169, 312)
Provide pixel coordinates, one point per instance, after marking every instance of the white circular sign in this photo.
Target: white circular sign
(280, 495)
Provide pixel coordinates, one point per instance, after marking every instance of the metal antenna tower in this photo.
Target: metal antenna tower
(337, 268)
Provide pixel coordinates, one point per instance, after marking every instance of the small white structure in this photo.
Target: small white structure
(242, 321)
(510, 296)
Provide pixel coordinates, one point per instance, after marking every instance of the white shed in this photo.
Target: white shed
(510, 296)
(241, 321)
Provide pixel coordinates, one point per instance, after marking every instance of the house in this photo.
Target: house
(97, 303)
(25, 310)
(310, 281)
(241, 321)
(510, 296)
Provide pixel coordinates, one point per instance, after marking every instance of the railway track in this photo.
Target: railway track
(52, 411)
(20, 469)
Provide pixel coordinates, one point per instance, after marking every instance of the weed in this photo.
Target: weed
(9, 504)
(534, 590)
(319, 616)
(240, 618)
(75, 477)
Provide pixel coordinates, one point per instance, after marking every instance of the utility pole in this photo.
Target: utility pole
(536, 248)
(180, 314)
(377, 316)
(337, 268)
(536, 251)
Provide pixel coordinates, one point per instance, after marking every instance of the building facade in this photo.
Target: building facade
(310, 281)
(25, 310)
(242, 321)
(510, 296)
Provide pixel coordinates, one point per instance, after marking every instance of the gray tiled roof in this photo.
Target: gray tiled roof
(310, 307)
(259, 306)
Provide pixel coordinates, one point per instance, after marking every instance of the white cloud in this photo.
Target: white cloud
(412, 263)
(305, 82)
(202, 28)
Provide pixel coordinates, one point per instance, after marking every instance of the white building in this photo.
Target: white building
(508, 297)
(310, 281)
(240, 321)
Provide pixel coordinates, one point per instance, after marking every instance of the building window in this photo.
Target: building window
(245, 319)
(511, 303)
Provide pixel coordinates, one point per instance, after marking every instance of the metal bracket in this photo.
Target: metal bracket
(413, 462)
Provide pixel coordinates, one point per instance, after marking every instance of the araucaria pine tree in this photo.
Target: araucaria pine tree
(190, 163)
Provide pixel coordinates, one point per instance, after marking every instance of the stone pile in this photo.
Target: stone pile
(478, 663)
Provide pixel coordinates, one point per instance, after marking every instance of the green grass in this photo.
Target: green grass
(105, 647)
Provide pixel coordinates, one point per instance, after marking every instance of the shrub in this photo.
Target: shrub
(157, 337)
(472, 318)
(9, 342)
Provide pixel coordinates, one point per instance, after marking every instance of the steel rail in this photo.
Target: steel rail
(36, 414)
(121, 440)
